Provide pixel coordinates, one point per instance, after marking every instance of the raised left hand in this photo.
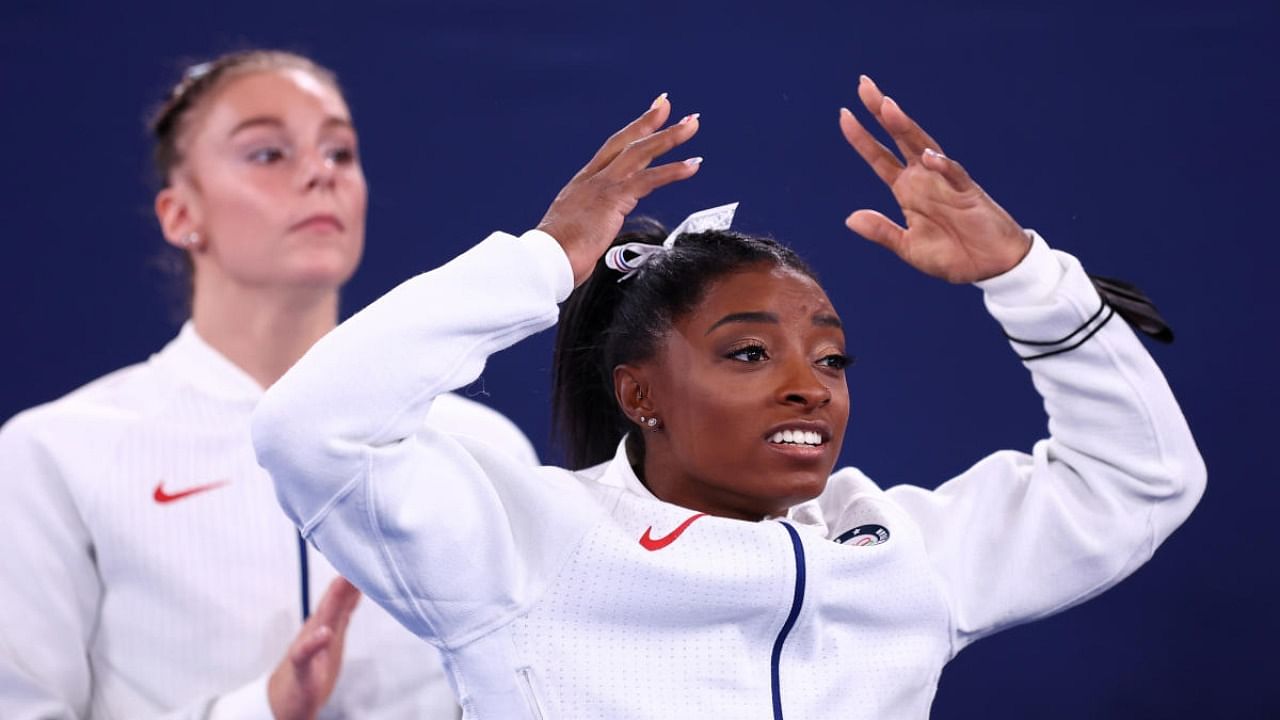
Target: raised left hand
(954, 231)
(589, 211)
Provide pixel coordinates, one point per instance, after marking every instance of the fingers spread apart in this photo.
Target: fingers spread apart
(643, 126)
(646, 181)
(639, 153)
(882, 161)
(630, 170)
(910, 138)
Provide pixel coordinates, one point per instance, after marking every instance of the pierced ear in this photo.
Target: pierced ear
(631, 388)
(175, 213)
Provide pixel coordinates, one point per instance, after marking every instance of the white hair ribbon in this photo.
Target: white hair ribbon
(629, 258)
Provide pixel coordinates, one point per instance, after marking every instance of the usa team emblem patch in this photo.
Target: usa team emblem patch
(864, 535)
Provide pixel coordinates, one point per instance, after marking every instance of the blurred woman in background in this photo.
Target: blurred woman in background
(148, 570)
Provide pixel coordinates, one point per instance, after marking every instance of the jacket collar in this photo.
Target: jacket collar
(196, 363)
(619, 473)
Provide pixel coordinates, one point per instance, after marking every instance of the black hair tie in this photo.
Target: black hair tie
(1134, 306)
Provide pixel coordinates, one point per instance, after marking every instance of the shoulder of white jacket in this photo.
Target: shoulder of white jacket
(118, 395)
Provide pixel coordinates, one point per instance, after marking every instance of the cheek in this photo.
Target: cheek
(359, 191)
(244, 209)
(359, 205)
(720, 418)
(840, 409)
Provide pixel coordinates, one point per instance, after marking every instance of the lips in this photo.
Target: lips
(320, 221)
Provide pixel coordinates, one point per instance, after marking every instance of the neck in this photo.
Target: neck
(670, 483)
(263, 331)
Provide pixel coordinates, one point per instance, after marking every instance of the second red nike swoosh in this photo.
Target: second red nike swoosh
(162, 497)
(651, 544)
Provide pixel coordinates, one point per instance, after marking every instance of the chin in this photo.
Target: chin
(329, 269)
(807, 488)
(785, 492)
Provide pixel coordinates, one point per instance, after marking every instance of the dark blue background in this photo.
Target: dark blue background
(1139, 136)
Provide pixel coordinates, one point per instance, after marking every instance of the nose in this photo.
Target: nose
(318, 170)
(804, 387)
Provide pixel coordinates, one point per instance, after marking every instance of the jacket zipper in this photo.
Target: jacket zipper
(530, 695)
(796, 602)
(304, 576)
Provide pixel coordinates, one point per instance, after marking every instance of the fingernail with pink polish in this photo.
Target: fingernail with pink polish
(689, 118)
(693, 161)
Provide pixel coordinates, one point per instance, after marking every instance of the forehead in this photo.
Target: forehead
(775, 289)
(282, 93)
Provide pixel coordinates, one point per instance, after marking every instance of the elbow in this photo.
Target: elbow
(288, 439)
(1194, 475)
(1185, 479)
(285, 448)
(305, 449)
(1177, 480)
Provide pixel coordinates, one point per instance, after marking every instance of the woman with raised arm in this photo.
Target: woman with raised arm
(702, 560)
(147, 569)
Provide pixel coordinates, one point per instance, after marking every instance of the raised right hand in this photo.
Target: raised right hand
(954, 230)
(304, 679)
(590, 210)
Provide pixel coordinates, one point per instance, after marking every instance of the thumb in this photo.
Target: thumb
(878, 229)
(309, 644)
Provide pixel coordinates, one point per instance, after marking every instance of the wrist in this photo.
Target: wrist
(1019, 243)
(1029, 282)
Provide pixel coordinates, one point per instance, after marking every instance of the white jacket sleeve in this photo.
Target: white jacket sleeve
(49, 590)
(1018, 537)
(454, 539)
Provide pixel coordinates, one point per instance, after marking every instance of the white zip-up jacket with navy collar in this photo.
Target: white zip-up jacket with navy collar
(557, 594)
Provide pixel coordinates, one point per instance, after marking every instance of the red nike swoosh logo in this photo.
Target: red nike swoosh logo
(165, 497)
(651, 544)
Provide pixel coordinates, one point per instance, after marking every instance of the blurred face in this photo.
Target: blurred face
(750, 388)
(273, 182)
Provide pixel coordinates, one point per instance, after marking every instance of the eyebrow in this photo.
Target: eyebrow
(272, 121)
(828, 320)
(824, 319)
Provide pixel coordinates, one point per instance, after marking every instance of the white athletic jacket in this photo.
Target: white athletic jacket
(556, 594)
(146, 569)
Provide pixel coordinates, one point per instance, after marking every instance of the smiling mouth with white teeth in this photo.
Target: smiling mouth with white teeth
(797, 437)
